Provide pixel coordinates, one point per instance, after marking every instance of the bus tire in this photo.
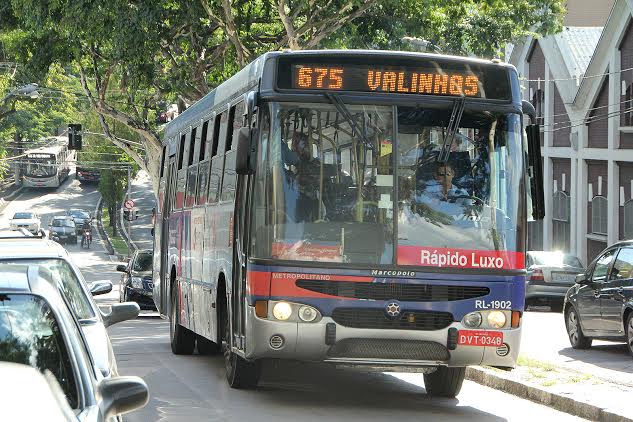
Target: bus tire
(183, 341)
(445, 381)
(240, 373)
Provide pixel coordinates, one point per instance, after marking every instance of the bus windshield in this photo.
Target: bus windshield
(41, 167)
(357, 185)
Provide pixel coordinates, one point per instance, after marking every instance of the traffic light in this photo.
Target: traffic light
(74, 136)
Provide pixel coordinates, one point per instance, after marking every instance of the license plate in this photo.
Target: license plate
(563, 277)
(480, 338)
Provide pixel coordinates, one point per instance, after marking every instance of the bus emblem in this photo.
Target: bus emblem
(393, 310)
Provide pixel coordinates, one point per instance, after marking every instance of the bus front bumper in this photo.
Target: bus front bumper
(378, 348)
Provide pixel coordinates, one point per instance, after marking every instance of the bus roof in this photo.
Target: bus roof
(53, 146)
(250, 76)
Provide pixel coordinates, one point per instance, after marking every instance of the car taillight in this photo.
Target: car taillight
(537, 275)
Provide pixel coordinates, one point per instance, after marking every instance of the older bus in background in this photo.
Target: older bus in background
(48, 166)
(366, 209)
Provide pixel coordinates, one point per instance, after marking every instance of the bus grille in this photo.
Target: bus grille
(377, 319)
(396, 291)
(365, 348)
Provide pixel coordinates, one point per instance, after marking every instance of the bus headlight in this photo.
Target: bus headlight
(308, 313)
(282, 311)
(472, 320)
(496, 319)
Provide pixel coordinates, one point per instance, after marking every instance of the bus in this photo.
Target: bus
(366, 209)
(48, 166)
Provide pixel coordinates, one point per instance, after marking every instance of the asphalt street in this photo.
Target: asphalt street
(193, 388)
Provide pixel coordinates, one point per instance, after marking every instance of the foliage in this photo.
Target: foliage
(134, 57)
(112, 187)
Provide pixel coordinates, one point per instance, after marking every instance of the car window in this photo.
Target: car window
(23, 215)
(623, 265)
(601, 268)
(59, 272)
(555, 259)
(30, 335)
(143, 262)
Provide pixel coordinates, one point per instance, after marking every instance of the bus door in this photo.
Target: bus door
(168, 206)
(239, 261)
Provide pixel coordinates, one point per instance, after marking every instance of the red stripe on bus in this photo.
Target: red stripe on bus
(284, 284)
(258, 283)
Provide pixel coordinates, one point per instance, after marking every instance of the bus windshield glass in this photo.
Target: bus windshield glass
(41, 167)
(348, 185)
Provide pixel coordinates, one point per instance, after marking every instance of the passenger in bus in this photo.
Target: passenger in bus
(307, 180)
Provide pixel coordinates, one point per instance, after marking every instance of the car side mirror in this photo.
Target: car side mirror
(121, 312)
(122, 395)
(121, 268)
(100, 288)
(582, 279)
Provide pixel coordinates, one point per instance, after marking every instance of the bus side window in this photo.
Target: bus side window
(162, 162)
(181, 182)
(203, 170)
(192, 170)
(236, 118)
(217, 160)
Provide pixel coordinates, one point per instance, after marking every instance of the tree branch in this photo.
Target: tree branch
(293, 43)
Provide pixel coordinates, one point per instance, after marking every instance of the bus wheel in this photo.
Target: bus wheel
(183, 341)
(240, 373)
(444, 382)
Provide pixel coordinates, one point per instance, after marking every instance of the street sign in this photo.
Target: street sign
(129, 204)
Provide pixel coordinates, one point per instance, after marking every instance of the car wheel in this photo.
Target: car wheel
(240, 373)
(574, 330)
(445, 381)
(629, 332)
(183, 341)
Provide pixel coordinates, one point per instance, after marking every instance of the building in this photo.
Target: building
(581, 84)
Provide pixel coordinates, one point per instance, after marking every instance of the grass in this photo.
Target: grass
(533, 363)
(117, 241)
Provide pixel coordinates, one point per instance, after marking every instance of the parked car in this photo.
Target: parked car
(18, 255)
(550, 275)
(79, 216)
(64, 228)
(28, 220)
(37, 328)
(86, 175)
(600, 304)
(136, 282)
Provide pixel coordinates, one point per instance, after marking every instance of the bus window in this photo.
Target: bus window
(217, 161)
(203, 175)
(192, 146)
(192, 177)
(230, 178)
(203, 141)
(181, 150)
(162, 162)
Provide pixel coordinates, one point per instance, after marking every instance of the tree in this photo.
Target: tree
(130, 56)
(112, 188)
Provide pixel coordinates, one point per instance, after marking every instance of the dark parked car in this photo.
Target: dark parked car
(550, 275)
(136, 282)
(600, 304)
(64, 228)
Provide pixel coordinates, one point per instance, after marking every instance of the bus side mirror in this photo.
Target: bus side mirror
(243, 153)
(535, 163)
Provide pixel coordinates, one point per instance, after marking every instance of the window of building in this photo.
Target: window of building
(561, 221)
(628, 219)
(599, 209)
(627, 112)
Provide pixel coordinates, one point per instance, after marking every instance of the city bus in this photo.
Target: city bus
(48, 166)
(366, 209)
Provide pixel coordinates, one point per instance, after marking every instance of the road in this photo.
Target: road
(193, 388)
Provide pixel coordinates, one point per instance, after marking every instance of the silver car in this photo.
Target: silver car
(37, 328)
(550, 275)
(17, 255)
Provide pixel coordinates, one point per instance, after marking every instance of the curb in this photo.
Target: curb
(5, 201)
(495, 380)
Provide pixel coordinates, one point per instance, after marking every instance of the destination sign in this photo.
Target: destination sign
(40, 155)
(386, 80)
(397, 74)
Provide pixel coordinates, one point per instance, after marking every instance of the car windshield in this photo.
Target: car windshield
(349, 187)
(555, 259)
(79, 214)
(23, 215)
(30, 335)
(58, 272)
(63, 222)
(143, 262)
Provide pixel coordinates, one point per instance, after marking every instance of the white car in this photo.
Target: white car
(27, 220)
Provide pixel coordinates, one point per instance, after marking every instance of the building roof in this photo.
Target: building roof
(577, 45)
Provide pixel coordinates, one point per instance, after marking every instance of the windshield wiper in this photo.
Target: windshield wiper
(342, 108)
(451, 129)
